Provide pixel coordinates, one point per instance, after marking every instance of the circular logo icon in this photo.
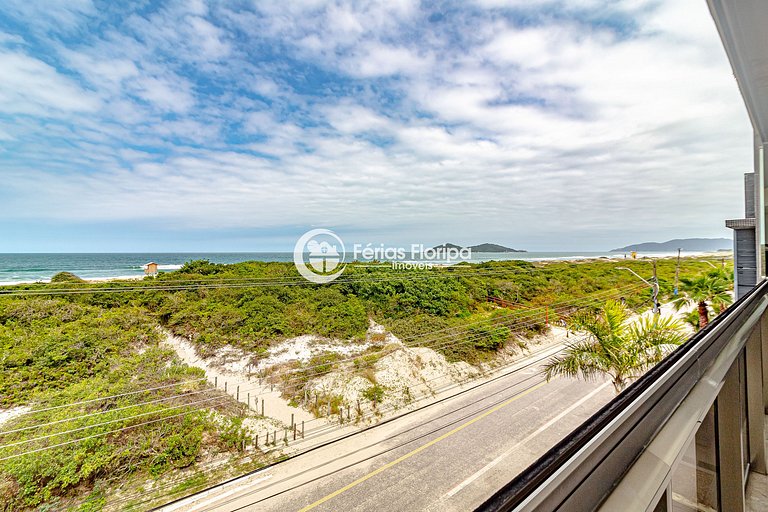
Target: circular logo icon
(319, 256)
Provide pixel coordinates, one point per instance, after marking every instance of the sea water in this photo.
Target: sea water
(25, 268)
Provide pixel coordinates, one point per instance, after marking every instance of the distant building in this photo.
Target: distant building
(745, 246)
(150, 268)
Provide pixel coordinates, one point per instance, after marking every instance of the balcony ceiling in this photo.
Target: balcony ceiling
(743, 27)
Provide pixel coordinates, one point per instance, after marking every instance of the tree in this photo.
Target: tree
(712, 289)
(692, 319)
(616, 346)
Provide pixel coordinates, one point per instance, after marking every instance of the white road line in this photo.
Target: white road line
(530, 436)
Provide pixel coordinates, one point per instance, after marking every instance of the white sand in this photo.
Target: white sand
(7, 414)
(231, 366)
(406, 373)
(304, 348)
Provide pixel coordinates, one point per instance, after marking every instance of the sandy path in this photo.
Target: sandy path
(274, 406)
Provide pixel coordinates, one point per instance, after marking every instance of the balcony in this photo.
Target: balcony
(691, 434)
(688, 436)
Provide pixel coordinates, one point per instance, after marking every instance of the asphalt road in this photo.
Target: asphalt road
(449, 456)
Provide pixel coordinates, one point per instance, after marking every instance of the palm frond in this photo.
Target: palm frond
(580, 358)
(617, 347)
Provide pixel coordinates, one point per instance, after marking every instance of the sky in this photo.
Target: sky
(237, 126)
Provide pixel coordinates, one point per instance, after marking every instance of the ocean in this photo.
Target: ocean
(26, 268)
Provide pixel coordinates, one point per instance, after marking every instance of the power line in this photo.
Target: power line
(427, 394)
(530, 364)
(127, 418)
(95, 435)
(107, 411)
(86, 427)
(371, 457)
(92, 400)
(132, 417)
(504, 321)
(462, 341)
(223, 398)
(448, 341)
(378, 425)
(215, 399)
(122, 419)
(431, 343)
(274, 483)
(512, 321)
(452, 269)
(251, 283)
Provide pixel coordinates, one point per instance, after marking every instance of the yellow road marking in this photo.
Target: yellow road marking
(420, 448)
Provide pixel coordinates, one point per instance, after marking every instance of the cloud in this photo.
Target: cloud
(579, 124)
(50, 16)
(374, 60)
(30, 86)
(164, 93)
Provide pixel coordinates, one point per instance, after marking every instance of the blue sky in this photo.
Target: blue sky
(237, 126)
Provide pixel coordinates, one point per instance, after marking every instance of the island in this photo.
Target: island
(485, 248)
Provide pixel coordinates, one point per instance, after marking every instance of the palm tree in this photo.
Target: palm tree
(692, 319)
(616, 346)
(712, 289)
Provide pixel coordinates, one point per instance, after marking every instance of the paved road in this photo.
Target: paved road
(449, 456)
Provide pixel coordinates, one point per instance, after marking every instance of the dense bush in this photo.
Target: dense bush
(57, 352)
(66, 277)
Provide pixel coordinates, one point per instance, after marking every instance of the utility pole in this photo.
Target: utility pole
(677, 271)
(654, 284)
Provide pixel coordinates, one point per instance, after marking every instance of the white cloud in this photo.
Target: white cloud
(547, 134)
(166, 94)
(373, 60)
(30, 86)
(349, 117)
(52, 15)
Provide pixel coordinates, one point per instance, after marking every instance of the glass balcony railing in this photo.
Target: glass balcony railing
(688, 436)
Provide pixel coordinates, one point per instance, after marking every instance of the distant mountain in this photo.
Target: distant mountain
(686, 244)
(480, 248)
(493, 248)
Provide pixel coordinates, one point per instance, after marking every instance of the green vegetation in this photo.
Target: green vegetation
(708, 290)
(62, 349)
(616, 346)
(374, 393)
(66, 277)
(412, 304)
(57, 352)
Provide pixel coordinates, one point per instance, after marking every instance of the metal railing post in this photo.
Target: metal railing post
(764, 343)
(731, 470)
